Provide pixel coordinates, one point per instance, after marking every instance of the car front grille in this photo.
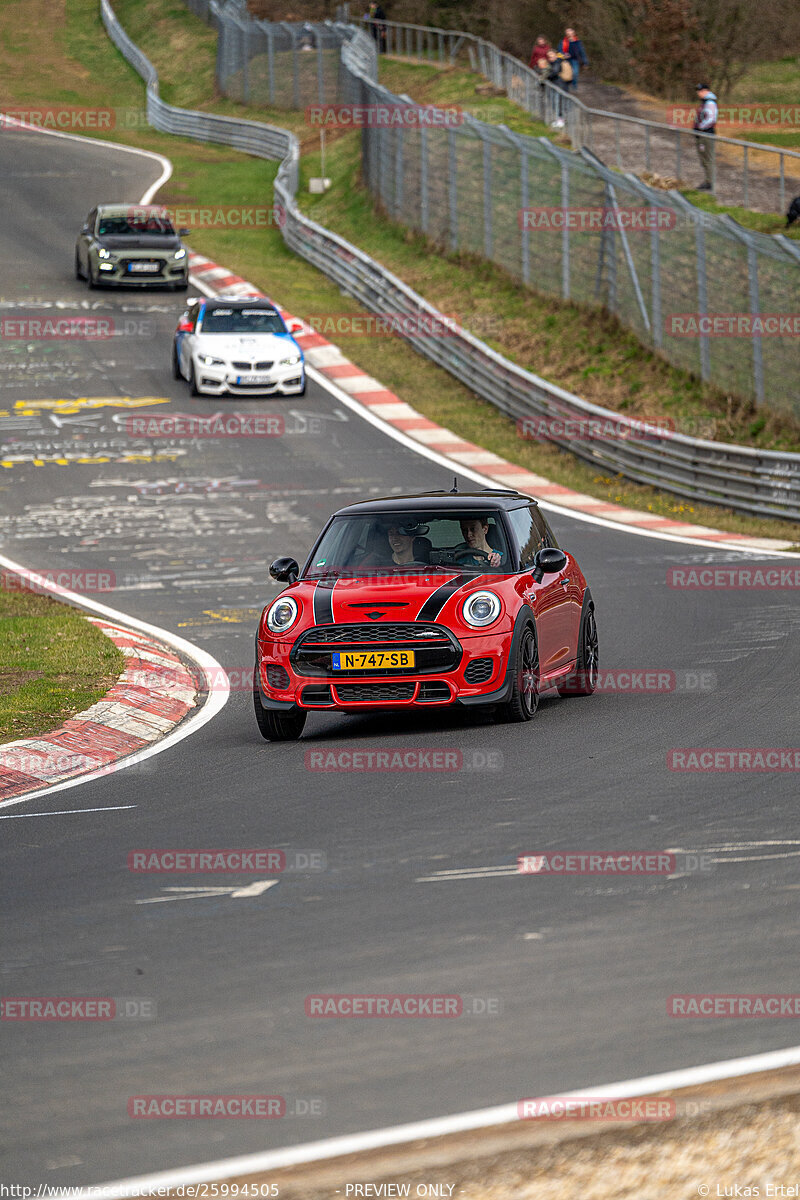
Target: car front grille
(359, 693)
(434, 648)
(376, 631)
(479, 670)
(251, 366)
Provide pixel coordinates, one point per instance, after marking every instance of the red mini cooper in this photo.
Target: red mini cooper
(422, 601)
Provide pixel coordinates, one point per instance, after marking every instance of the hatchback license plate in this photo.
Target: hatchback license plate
(143, 268)
(377, 660)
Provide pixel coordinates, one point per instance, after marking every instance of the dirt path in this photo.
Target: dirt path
(630, 151)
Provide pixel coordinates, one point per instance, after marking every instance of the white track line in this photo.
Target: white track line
(273, 1160)
(65, 812)
(210, 668)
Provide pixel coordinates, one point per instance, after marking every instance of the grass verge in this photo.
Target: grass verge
(55, 663)
(585, 352)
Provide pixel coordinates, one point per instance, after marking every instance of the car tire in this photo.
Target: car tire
(176, 370)
(91, 277)
(584, 679)
(194, 390)
(181, 287)
(78, 271)
(277, 726)
(524, 699)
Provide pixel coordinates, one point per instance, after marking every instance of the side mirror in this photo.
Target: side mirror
(285, 570)
(184, 232)
(296, 327)
(548, 561)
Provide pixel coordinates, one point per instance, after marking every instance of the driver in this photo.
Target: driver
(474, 531)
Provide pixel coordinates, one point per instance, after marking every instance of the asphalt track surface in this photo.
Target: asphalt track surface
(580, 968)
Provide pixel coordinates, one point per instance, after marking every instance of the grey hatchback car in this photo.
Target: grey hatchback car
(131, 246)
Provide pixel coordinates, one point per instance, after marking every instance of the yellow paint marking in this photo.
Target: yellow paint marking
(27, 408)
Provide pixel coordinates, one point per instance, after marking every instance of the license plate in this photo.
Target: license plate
(145, 268)
(254, 379)
(372, 660)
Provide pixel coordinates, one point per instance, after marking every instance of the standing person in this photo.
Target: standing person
(377, 29)
(705, 121)
(572, 48)
(552, 74)
(539, 52)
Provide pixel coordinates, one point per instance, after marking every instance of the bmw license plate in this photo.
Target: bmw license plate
(143, 268)
(372, 660)
(254, 379)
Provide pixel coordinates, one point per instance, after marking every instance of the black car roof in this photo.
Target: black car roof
(489, 499)
(249, 302)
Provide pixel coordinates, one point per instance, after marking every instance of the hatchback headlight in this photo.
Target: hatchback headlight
(180, 253)
(290, 362)
(101, 253)
(481, 608)
(208, 361)
(282, 614)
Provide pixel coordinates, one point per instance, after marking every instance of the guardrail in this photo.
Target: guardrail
(752, 174)
(766, 483)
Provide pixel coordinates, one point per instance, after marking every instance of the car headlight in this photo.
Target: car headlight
(101, 253)
(481, 608)
(208, 361)
(290, 362)
(282, 614)
(180, 254)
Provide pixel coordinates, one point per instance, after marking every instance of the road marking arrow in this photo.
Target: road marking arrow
(205, 893)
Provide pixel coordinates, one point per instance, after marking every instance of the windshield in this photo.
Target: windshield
(401, 542)
(130, 227)
(243, 320)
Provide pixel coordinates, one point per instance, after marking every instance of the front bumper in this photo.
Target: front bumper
(479, 676)
(286, 381)
(117, 273)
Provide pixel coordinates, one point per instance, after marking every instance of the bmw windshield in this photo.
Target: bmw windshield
(242, 320)
(397, 542)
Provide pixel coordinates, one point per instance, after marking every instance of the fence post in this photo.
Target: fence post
(271, 62)
(525, 238)
(320, 70)
(487, 197)
(398, 173)
(452, 188)
(565, 289)
(702, 297)
(745, 179)
(423, 178)
(755, 304)
(246, 33)
(655, 284)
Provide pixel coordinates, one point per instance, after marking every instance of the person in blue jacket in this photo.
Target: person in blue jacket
(572, 48)
(705, 122)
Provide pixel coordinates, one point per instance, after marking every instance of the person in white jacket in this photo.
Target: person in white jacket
(705, 122)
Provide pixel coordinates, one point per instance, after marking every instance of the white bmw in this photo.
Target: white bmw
(238, 346)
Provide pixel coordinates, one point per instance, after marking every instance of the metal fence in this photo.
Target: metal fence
(749, 174)
(763, 482)
(554, 219)
(279, 65)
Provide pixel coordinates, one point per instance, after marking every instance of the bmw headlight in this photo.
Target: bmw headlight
(282, 614)
(101, 253)
(208, 361)
(180, 254)
(290, 362)
(481, 608)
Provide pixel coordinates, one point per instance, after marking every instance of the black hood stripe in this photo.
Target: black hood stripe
(323, 602)
(437, 600)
